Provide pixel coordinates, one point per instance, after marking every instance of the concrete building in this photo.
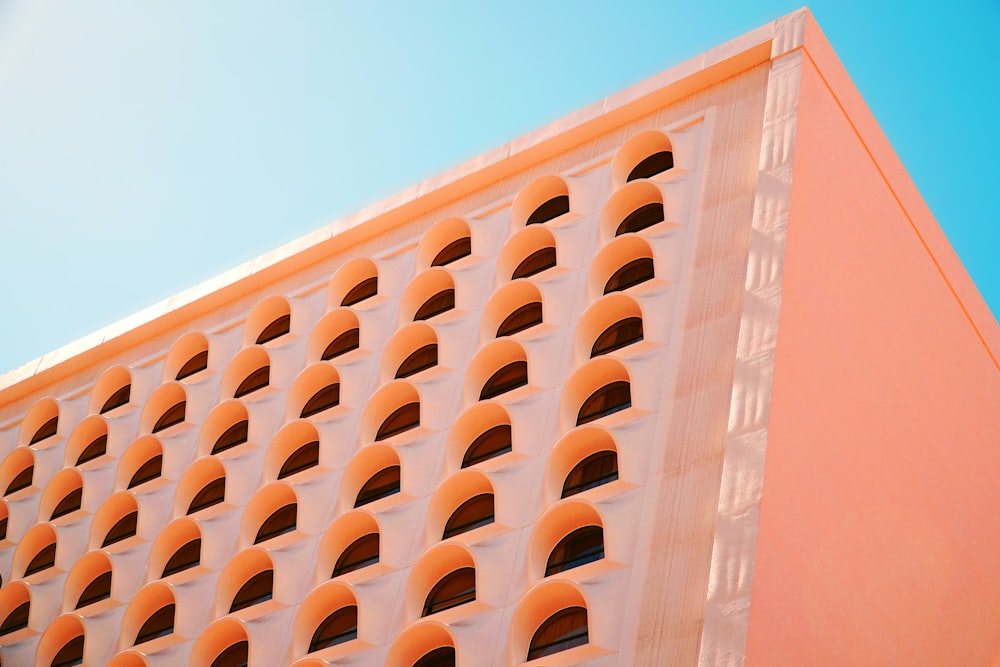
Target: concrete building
(689, 377)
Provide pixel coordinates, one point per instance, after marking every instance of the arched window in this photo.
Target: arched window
(43, 560)
(195, 364)
(582, 546)
(523, 318)
(402, 419)
(21, 480)
(339, 627)
(234, 435)
(367, 288)
(98, 589)
(420, 360)
(324, 399)
(618, 335)
(609, 399)
(641, 218)
(173, 415)
(597, 469)
(123, 529)
(149, 470)
(511, 376)
(47, 430)
(281, 521)
(70, 503)
(95, 449)
(455, 588)
(188, 556)
(275, 329)
(473, 513)
(17, 619)
(342, 344)
(382, 484)
(117, 399)
(490, 444)
(303, 458)
(259, 379)
(212, 493)
(439, 657)
(635, 272)
(453, 251)
(235, 655)
(550, 210)
(657, 163)
(259, 588)
(536, 262)
(160, 624)
(361, 553)
(561, 631)
(70, 654)
(441, 302)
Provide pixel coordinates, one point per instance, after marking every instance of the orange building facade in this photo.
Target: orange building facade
(690, 377)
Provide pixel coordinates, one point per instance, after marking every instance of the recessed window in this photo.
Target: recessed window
(525, 317)
(235, 435)
(365, 289)
(582, 546)
(635, 272)
(339, 627)
(17, 619)
(259, 588)
(454, 589)
(618, 335)
(607, 400)
(174, 415)
(235, 655)
(22, 480)
(123, 529)
(657, 163)
(641, 218)
(98, 589)
(275, 329)
(511, 376)
(324, 399)
(342, 344)
(117, 399)
(420, 360)
(472, 514)
(303, 458)
(441, 302)
(550, 210)
(70, 503)
(149, 470)
(402, 419)
(47, 430)
(361, 553)
(188, 556)
(195, 364)
(281, 521)
(160, 624)
(536, 262)
(382, 484)
(212, 493)
(597, 469)
(259, 379)
(490, 444)
(439, 657)
(70, 654)
(453, 251)
(94, 450)
(561, 631)
(43, 560)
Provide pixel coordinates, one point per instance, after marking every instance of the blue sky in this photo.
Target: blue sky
(146, 147)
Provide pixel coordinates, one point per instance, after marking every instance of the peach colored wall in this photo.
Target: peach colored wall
(879, 538)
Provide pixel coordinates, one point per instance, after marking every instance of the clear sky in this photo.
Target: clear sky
(148, 146)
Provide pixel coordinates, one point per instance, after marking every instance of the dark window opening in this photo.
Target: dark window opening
(70, 654)
(597, 469)
(657, 163)
(95, 449)
(361, 553)
(149, 470)
(235, 435)
(303, 458)
(174, 415)
(3, 528)
(234, 656)
(43, 560)
(635, 272)
(123, 529)
(17, 619)
(561, 631)
(188, 556)
(454, 589)
(259, 588)
(511, 376)
(420, 360)
(275, 329)
(259, 379)
(582, 546)
(324, 399)
(550, 210)
(47, 430)
(523, 318)
(607, 400)
(281, 521)
(342, 344)
(97, 590)
(160, 624)
(641, 218)
(117, 399)
(536, 262)
(71, 502)
(441, 302)
(473, 513)
(22, 480)
(195, 364)
(339, 627)
(367, 288)
(402, 419)
(488, 445)
(453, 251)
(382, 484)
(212, 493)
(439, 657)
(618, 335)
